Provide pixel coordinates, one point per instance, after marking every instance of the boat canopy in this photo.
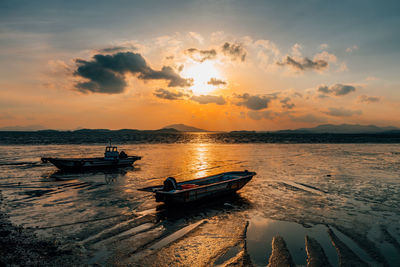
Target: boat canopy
(111, 152)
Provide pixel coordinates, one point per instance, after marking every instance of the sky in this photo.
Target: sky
(220, 65)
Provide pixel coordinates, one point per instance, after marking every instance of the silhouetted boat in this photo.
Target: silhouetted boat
(199, 189)
(112, 159)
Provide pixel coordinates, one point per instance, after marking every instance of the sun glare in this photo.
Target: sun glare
(201, 73)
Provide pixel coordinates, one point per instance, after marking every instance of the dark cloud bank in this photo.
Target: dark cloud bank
(201, 99)
(106, 73)
(216, 82)
(115, 49)
(336, 90)
(169, 95)
(235, 51)
(304, 64)
(254, 102)
(201, 55)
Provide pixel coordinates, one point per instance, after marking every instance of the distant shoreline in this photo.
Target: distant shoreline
(171, 137)
(182, 128)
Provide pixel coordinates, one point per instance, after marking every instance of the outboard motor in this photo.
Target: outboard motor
(170, 184)
(122, 155)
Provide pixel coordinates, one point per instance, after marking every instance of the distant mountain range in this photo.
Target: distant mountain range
(325, 128)
(343, 129)
(184, 128)
(169, 128)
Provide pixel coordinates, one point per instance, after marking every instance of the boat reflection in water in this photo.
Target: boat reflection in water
(110, 175)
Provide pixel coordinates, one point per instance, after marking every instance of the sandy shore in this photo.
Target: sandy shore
(347, 211)
(21, 247)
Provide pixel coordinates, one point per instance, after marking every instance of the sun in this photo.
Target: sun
(201, 73)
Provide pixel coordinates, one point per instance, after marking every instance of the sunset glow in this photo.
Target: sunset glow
(202, 73)
(102, 69)
(199, 133)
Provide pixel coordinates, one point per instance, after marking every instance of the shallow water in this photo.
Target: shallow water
(299, 189)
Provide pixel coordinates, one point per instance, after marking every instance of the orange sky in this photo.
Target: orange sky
(214, 79)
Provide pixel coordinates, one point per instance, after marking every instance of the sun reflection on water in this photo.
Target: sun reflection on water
(201, 159)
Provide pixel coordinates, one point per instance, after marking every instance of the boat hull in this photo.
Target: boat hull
(204, 191)
(90, 163)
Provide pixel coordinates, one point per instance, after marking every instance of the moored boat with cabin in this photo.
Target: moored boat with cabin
(112, 159)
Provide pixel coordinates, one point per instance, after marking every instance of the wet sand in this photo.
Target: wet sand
(22, 247)
(329, 204)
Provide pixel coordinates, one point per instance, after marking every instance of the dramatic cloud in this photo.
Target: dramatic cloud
(208, 99)
(127, 46)
(235, 51)
(286, 103)
(368, 99)
(304, 64)
(106, 73)
(254, 102)
(115, 49)
(342, 112)
(101, 80)
(216, 82)
(166, 73)
(169, 95)
(201, 55)
(336, 90)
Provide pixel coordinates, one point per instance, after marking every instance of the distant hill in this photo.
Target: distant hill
(325, 128)
(184, 128)
(164, 130)
(23, 128)
(242, 132)
(343, 129)
(125, 131)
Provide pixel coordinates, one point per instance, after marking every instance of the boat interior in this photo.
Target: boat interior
(199, 182)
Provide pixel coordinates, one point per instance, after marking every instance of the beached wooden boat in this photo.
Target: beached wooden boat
(199, 189)
(112, 159)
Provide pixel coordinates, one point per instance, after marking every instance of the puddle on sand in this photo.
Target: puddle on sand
(232, 252)
(261, 231)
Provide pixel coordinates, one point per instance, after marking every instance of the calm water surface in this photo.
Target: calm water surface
(300, 189)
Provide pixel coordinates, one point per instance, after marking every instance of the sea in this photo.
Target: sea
(334, 188)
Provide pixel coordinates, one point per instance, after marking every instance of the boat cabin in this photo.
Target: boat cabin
(111, 152)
